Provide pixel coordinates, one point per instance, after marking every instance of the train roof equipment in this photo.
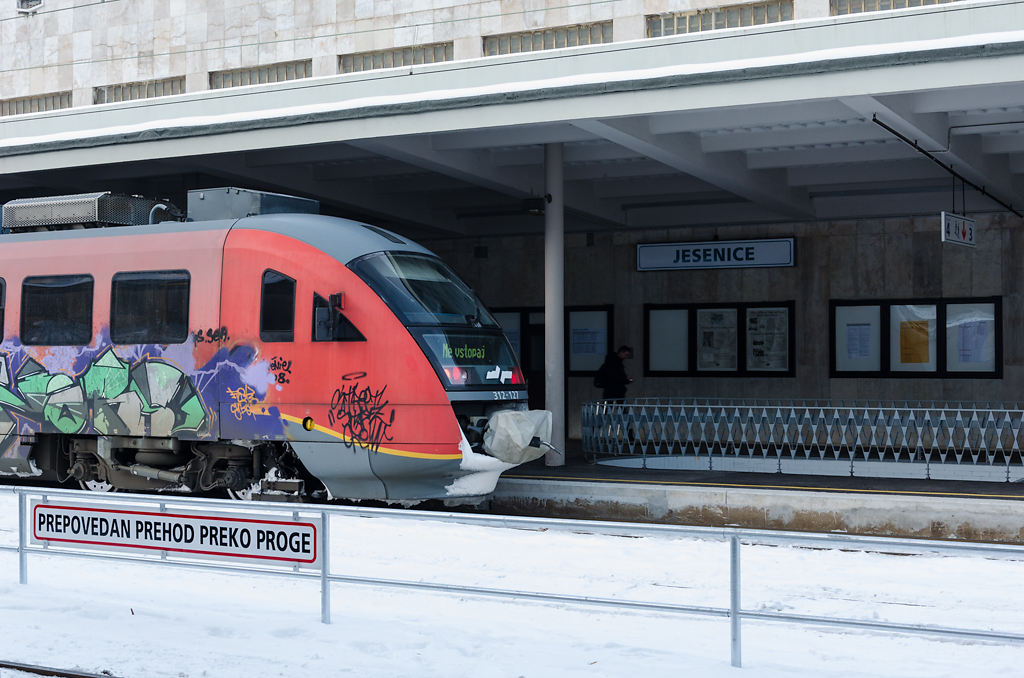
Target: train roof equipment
(87, 215)
(104, 209)
(82, 210)
(209, 204)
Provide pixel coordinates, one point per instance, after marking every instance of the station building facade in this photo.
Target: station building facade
(60, 53)
(851, 281)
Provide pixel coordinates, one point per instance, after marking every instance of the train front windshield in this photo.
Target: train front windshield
(462, 340)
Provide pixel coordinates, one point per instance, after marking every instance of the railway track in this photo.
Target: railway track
(34, 670)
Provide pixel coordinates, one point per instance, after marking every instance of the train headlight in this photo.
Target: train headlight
(308, 424)
(456, 375)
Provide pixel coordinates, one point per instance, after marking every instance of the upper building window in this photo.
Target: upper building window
(29, 5)
(393, 58)
(855, 6)
(548, 38)
(259, 75)
(130, 91)
(43, 102)
(731, 16)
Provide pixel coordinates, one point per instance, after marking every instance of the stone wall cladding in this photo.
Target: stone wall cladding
(64, 47)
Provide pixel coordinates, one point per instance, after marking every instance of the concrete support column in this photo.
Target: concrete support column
(554, 302)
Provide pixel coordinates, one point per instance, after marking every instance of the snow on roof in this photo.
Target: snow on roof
(983, 44)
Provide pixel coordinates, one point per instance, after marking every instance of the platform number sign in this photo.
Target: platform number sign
(958, 229)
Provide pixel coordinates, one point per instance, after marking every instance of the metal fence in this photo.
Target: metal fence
(327, 576)
(904, 439)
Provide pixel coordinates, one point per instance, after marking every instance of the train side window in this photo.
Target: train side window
(149, 307)
(328, 326)
(56, 310)
(277, 307)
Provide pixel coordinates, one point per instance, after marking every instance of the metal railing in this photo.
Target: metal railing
(735, 537)
(916, 439)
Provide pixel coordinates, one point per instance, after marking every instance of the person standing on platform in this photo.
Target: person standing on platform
(611, 377)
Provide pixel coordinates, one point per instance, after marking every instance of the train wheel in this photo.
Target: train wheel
(96, 486)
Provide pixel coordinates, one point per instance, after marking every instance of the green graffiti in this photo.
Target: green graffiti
(107, 377)
(64, 408)
(149, 398)
(32, 380)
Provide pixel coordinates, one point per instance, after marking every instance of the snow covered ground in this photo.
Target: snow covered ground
(154, 621)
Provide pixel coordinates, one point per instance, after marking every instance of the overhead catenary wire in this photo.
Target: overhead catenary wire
(947, 167)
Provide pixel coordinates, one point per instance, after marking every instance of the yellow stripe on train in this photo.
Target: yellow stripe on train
(382, 450)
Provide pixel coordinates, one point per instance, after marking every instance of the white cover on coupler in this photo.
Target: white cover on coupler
(510, 433)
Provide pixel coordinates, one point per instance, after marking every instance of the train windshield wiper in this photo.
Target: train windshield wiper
(473, 319)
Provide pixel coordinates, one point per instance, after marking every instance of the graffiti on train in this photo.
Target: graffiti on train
(360, 413)
(212, 336)
(245, 403)
(281, 369)
(111, 397)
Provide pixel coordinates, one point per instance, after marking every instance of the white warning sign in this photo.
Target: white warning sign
(227, 535)
(958, 229)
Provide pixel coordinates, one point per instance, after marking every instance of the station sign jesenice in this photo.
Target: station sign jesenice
(716, 254)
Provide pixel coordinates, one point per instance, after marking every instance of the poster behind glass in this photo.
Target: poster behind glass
(858, 339)
(588, 340)
(768, 339)
(668, 337)
(716, 340)
(912, 338)
(971, 337)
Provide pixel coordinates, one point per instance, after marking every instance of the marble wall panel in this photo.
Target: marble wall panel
(99, 34)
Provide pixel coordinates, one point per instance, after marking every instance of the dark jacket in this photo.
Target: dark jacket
(611, 377)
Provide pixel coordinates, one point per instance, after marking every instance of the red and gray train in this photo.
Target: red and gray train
(254, 347)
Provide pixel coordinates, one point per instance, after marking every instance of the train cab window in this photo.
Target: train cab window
(330, 324)
(56, 310)
(277, 307)
(149, 307)
(422, 290)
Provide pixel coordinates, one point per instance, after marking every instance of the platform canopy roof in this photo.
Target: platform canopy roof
(853, 117)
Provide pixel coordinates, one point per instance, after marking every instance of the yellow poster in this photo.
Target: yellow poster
(914, 341)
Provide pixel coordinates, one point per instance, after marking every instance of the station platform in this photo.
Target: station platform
(931, 509)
